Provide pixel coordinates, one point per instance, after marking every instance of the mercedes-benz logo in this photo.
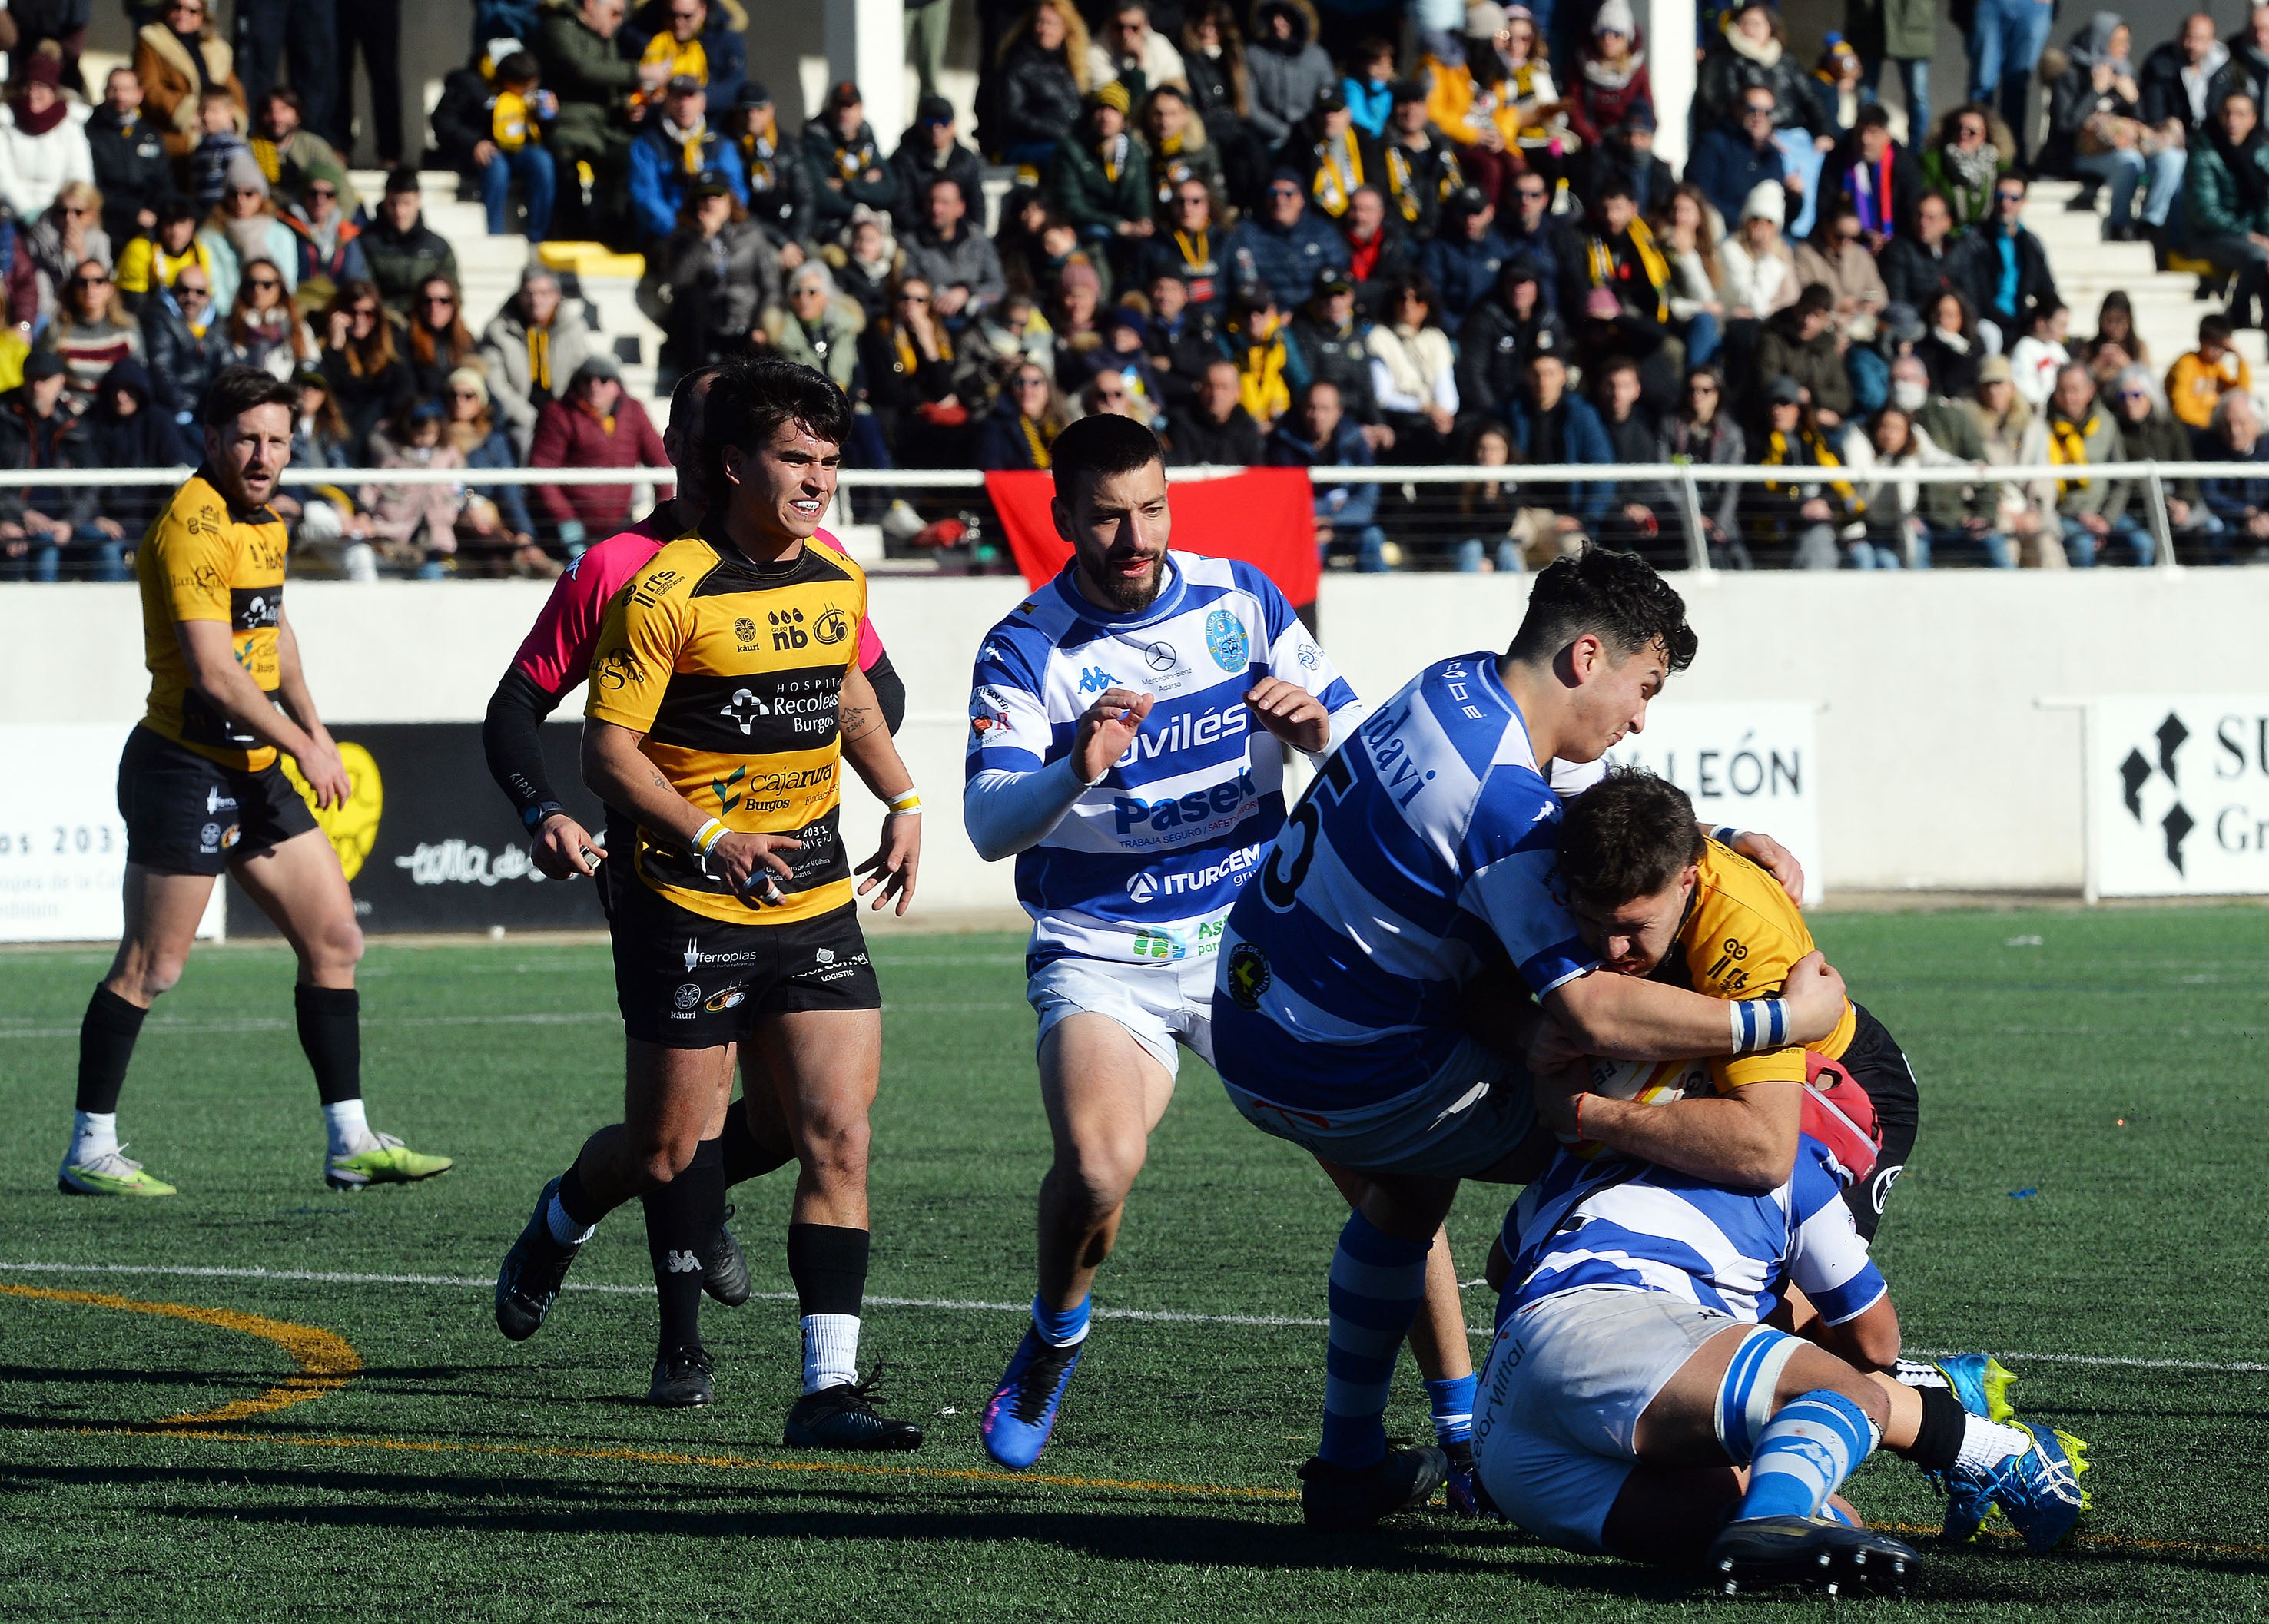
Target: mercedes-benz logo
(1161, 657)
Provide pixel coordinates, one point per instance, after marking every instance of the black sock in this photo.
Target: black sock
(681, 1220)
(576, 1201)
(1939, 1439)
(106, 1043)
(330, 1032)
(828, 1266)
(745, 1157)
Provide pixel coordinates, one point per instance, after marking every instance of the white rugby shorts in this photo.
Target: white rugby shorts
(1566, 1380)
(1160, 1005)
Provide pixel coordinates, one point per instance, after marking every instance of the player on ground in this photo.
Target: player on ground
(1421, 854)
(1632, 1376)
(1116, 748)
(724, 698)
(750, 1139)
(1653, 897)
(201, 791)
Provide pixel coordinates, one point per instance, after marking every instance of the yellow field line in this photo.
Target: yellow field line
(326, 1361)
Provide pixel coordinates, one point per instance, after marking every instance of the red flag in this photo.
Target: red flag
(1266, 516)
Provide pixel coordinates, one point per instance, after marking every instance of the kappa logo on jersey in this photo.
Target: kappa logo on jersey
(1129, 813)
(1226, 641)
(1187, 731)
(1095, 679)
(682, 1263)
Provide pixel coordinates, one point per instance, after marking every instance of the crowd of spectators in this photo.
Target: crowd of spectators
(1275, 243)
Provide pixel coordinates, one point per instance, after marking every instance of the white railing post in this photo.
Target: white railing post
(2162, 529)
(1697, 536)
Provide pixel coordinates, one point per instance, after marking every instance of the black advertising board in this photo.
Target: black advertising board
(429, 844)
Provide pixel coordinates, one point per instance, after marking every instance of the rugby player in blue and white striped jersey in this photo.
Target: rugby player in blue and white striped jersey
(1123, 747)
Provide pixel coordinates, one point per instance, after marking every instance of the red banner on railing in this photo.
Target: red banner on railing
(1265, 516)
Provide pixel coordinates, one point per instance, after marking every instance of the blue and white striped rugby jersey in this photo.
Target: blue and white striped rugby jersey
(1613, 1221)
(1424, 847)
(1146, 864)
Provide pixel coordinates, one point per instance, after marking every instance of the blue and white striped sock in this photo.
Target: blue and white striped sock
(1805, 1452)
(1065, 1327)
(1378, 1283)
(1453, 1401)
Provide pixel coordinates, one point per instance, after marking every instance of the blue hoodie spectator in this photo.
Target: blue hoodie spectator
(1463, 259)
(659, 177)
(1369, 102)
(1317, 435)
(1727, 166)
(1281, 246)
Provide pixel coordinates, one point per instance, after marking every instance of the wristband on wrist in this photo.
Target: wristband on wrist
(534, 816)
(708, 834)
(906, 803)
(1580, 1116)
(1725, 834)
(1760, 1023)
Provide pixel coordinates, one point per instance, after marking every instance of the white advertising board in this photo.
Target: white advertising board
(63, 844)
(1752, 765)
(2177, 789)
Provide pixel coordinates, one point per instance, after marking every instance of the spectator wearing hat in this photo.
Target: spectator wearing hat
(929, 151)
(38, 525)
(596, 424)
(1462, 260)
(1494, 344)
(867, 261)
(1132, 52)
(1610, 83)
(1799, 523)
(401, 249)
(959, 261)
(244, 227)
(1100, 180)
(1285, 68)
(600, 90)
(1331, 341)
(676, 147)
(1418, 170)
(1282, 246)
(1326, 147)
(1214, 427)
(184, 343)
(1533, 233)
(1625, 155)
(780, 187)
(1318, 433)
(1377, 251)
(177, 53)
(1042, 78)
(1731, 160)
(492, 132)
(700, 39)
(531, 348)
(1552, 424)
(43, 149)
(127, 150)
(846, 163)
(1760, 270)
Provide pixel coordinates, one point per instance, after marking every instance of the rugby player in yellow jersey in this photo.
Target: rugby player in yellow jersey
(724, 696)
(201, 791)
(1654, 896)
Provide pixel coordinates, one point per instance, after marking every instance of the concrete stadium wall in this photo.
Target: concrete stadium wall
(1939, 766)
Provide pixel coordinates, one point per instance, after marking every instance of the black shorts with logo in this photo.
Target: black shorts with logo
(186, 815)
(687, 981)
(1878, 1065)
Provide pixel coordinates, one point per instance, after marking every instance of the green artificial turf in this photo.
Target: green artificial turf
(2108, 1063)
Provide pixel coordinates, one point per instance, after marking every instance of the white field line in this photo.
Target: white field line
(966, 1305)
(570, 1017)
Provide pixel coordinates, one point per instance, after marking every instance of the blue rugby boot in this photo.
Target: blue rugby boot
(2037, 1489)
(1024, 1408)
(1980, 1382)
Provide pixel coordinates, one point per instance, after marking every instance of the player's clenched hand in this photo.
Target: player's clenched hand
(1291, 712)
(893, 864)
(747, 863)
(1106, 730)
(562, 849)
(1816, 996)
(1552, 1051)
(326, 774)
(1775, 860)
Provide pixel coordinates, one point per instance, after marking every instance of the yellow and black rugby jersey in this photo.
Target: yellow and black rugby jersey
(1740, 938)
(203, 560)
(734, 673)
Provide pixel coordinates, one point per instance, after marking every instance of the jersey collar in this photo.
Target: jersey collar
(1168, 602)
(1485, 663)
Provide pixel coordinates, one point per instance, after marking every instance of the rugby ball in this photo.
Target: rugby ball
(1650, 1082)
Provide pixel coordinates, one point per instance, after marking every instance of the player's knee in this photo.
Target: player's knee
(1096, 1178)
(836, 1140)
(151, 974)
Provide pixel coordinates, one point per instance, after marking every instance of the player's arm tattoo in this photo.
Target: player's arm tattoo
(858, 721)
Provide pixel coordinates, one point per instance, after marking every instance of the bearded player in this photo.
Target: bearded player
(202, 791)
(725, 697)
(748, 1138)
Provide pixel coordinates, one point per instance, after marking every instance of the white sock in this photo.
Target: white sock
(347, 1127)
(1988, 1443)
(830, 1351)
(564, 1229)
(94, 1135)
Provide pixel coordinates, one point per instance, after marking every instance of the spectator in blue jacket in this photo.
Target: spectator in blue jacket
(1318, 434)
(1535, 234)
(1463, 259)
(2241, 500)
(1550, 424)
(1728, 163)
(669, 31)
(674, 150)
(1282, 247)
(1369, 90)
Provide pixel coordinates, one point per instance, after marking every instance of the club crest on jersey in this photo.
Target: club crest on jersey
(1226, 638)
(832, 626)
(745, 632)
(1247, 975)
